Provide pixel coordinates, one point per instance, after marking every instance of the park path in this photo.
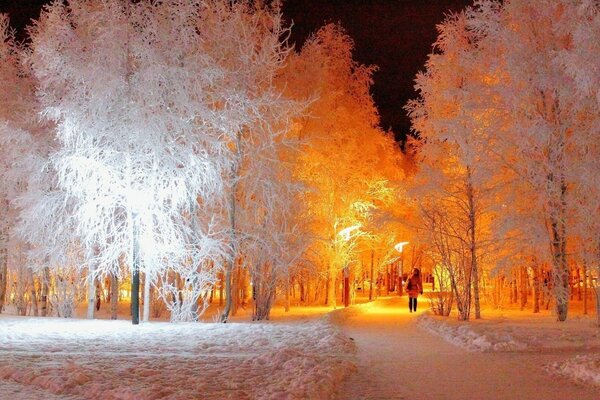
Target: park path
(397, 360)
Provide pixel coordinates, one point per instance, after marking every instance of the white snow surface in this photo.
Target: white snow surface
(51, 358)
(469, 339)
(512, 330)
(582, 369)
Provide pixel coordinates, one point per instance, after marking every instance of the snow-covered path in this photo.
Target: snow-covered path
(397, 360)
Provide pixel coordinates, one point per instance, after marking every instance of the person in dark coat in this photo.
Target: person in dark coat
(414, 287)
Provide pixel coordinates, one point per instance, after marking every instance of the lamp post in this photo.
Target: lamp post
(345, 235)
(400, 247)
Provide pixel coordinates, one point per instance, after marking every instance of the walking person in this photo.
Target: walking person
(414, 287)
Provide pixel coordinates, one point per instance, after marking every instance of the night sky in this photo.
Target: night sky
(395, 35)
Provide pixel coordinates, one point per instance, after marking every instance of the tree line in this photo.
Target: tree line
(181, 144)
(187, 149)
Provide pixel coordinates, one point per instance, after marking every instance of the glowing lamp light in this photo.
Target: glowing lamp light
(345, 233)
(400, 246)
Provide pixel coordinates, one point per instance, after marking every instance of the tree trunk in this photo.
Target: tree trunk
(401, 286)
(228, 292)
(221, 287)
(147, 283)
(346, 286)
(319, 286)
(235, 289)
(523, 282)
(135, 274)
(263, 290)
(91, 292)
(597, 292)
(371, 279)
(473, 244)
(578, 280)
(45, 290)
(362, 283)
(388, 274)
(233, 176)
(560, 269)
(303, 294)
(21, 290)
(515, 289)
(571, 285)
(3, 277)
(498, 292)
(585, 287)
(287, 294)
(536, 287)
(557, 222)
(34, 302)
(114, 295)
(331, 286)
(293, 292)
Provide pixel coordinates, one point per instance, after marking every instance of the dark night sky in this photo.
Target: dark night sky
(395, 35)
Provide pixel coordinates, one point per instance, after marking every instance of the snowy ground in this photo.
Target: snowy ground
(578, 339)
(370, 351)
(50, 358)
(398, 359)
(510, 330)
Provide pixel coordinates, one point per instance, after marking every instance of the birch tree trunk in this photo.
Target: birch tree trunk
(91, 293)
(147, 283)
(34, 301)
(302, 288)
(234, 175)
(236, 288)
(536, 288)
(559, 263)
(523, 283)
(473, 244)
(45, 290)
(597, 292)
(287, 294)
(3, 277)
(585, 287)
(371, 284)
(221, 287)
(331, 286)
(264, 290)
(578, 280)
(114, 296)
(135, 273)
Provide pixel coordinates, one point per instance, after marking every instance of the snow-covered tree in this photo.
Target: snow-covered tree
(124, 83)
(544, 119)
(511, 86)
(245, 42)
(23, 143)
(452, 120)
(579, 22)
(345, 150)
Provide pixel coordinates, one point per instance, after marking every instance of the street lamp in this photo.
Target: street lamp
(400, 247)
(345, 235)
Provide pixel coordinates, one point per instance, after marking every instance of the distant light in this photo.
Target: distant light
(345, 233)
(400, 245)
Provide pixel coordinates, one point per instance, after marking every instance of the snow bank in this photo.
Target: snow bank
(94, 359)
(582, 369)
(462, 335)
